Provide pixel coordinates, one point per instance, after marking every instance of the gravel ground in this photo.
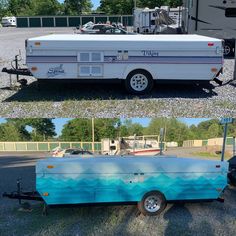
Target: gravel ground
(108, 100)
(178, 219)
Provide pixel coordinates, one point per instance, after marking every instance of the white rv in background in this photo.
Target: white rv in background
(9, 21)
(149, 21)
(214, 18)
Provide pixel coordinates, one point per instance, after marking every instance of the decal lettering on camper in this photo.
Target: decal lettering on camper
(150, 53)
(55, 71)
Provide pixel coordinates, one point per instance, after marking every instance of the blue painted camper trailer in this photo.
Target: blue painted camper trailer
(128, 179)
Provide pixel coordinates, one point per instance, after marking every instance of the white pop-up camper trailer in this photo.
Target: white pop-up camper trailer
(214, 18)
(138, 60)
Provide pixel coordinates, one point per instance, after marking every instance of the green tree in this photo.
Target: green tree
(213, 130)
(127, 6)
(34, 7)
(21, 7)
(42, 128)
(81, 129)
(46, 7)
(174, 130)
(118, 7)
(10, 132)
(204, 126)
(4, 8)
(77, 7)
(133, 128)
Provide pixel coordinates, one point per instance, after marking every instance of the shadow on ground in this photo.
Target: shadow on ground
(93, 91)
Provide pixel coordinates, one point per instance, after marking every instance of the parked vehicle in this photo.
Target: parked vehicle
(9, 21)
(157, 20)
(138, 60)
(214, 18)
(149, 181)
(93, 28)
(102, 29)
(71, 152)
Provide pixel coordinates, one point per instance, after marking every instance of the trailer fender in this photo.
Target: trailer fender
(131, 68)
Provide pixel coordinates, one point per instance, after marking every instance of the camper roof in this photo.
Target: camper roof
(138, 38)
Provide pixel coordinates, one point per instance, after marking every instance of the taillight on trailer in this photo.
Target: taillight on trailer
(34, 69)
(211, 44)
(214, 70)
(50, 167)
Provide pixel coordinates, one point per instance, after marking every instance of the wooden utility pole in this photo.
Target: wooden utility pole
(93, 149)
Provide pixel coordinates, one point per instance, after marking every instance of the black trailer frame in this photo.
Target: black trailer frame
(18, 71)
(30, 196)
(20, 195)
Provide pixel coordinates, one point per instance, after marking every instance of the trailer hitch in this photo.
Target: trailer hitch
(20, 195)
(19, 71)
(16, 70)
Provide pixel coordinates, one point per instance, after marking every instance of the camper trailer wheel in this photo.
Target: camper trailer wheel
(227, 50)
(139, 82)
(23, 82)
(232, 178)
(153, 203)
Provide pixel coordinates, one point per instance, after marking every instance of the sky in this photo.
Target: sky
(60, 122)
(95, 3)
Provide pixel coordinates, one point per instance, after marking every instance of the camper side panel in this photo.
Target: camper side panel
(127, 180)
(190, 61)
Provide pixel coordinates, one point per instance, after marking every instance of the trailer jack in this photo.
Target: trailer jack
(31, 196)
(16, 70)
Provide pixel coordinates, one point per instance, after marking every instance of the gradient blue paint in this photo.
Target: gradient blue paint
(109, 180)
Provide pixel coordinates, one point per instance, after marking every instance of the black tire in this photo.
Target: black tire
(23, 82)
(232, 178)
(146, 81)
(228, 50)
(159, 203)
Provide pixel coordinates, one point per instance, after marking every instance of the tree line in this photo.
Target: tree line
(81, 129)
(76, 7)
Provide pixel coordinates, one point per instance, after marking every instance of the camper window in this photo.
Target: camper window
(230, 12)
(96, 56)
(84, 56)
(90, 70)
(90, 57)
(96, 70)
(85, 70)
